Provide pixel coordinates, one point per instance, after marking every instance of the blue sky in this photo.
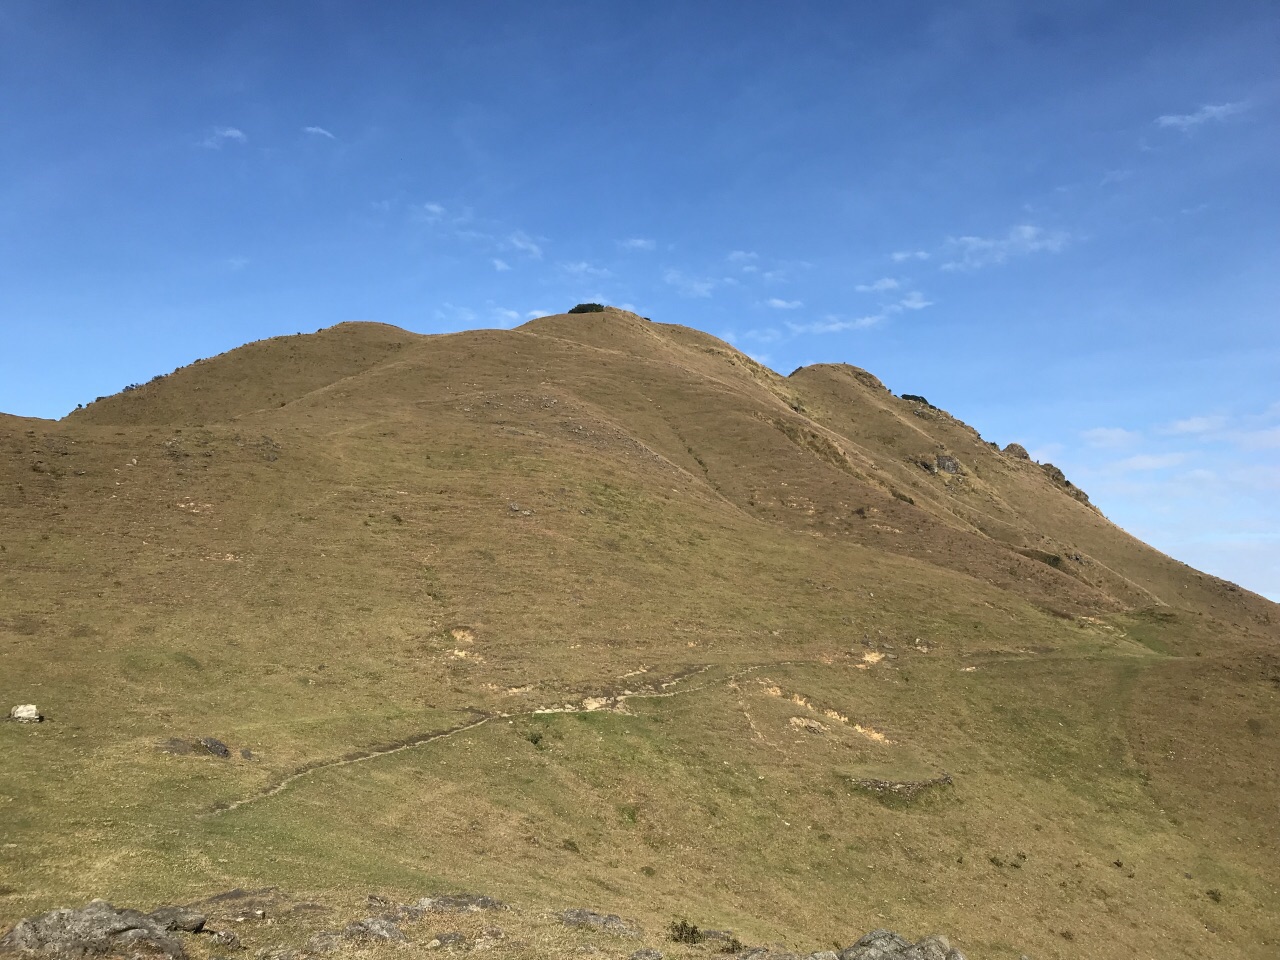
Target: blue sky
(1059, 221)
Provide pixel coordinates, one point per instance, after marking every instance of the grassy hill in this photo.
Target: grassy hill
(692, 622)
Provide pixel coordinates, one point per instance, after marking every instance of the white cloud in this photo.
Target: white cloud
(1196, 425)
(780, 304)
(222, 135)
(972, 253)
(1208, 113)
(914, 301)
(1259, 439)
(581, 268)
(1045, 453)
(742, 256)
(833, 324)
(1114, 176)
(453, 314)
(319, 132)
(879, 286)
(688, 286)
(521, 241)
(535, 314)
(1110, 437)
(501, 265)
(1149, 461)
(767, 335)
(637, 243)
(898, 256)
(430, 212)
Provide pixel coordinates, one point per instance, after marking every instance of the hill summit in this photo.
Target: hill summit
(602, 611)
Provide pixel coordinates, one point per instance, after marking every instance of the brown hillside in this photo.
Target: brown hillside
(601, 612)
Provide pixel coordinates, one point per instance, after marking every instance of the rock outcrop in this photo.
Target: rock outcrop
(99, 928)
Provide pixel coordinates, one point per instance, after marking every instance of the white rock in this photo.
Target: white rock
(25, 713)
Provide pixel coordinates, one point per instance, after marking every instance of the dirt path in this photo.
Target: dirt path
(588, 705)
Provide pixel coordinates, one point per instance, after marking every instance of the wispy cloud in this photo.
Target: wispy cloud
(913, 301)
(1110, 437)
(237, 263)
(501, 265)
(455, 315)
(637, 243)
(1268, 439)
(1196, 425)
(580, 268)
(972, 253)
(521, 241)
(535, 314)
(878, 286)
(319, 132)
(834, 324)
(742, 256)
(220, 136)
(1209, 113)
(429, 212)
(779, 304)
(900, 256)
(1114, 176)
(1149, 461)
(688, 286)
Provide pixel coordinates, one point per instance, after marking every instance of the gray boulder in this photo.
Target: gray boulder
(454, 903)
(25, 713)
(608, 922)
(368, 930)
(94, 929)
(214, 747)
(179, 918)
(373, 928)
(887, 945)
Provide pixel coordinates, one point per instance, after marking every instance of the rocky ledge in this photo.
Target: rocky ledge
(99, 929)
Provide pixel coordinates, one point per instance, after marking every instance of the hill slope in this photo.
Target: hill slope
(689, 613)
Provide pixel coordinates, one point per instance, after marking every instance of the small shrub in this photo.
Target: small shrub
(905, 498)
(1214, 895)
(534, 737)
(916, 398)
(682, 931)
(571, 845)
(588, 308)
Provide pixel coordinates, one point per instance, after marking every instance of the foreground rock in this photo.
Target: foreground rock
(368, 930)
(450, 903)
(25, 713)
(100, 928)
(886, 945)
(608, 922)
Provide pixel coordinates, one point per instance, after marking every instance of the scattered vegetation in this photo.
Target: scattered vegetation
(682, 931)
(588, 308)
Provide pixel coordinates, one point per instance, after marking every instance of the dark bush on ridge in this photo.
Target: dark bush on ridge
(588, 308)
